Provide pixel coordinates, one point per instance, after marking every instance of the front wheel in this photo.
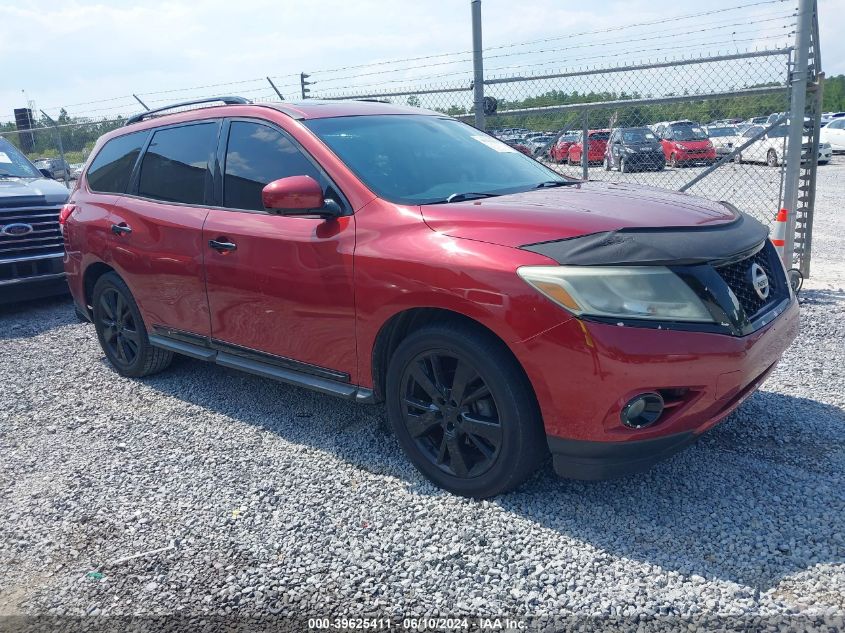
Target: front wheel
(463, 410)
(772, 158)
(121, 330)
(623, 165)
(673, 161)
(607, 164)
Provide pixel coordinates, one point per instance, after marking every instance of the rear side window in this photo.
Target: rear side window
(255, 156)
(175, 165)
(112, 168)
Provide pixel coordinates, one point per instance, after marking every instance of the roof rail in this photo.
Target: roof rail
(226, 100)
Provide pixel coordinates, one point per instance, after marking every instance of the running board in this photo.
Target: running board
(265, 370)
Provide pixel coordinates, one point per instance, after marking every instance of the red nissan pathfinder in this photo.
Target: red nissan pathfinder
(385, 253)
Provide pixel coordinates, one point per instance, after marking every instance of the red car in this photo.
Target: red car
(559, 151)
(685, 143)
(520, 145)
(596, 146)
(385, 253)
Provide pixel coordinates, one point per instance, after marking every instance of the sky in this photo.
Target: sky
(91, 56)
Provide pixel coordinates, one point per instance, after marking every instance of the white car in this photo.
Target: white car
(834, 133)
(724, 138)
(771, 148)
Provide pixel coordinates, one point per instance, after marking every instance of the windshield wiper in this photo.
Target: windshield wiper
(469, 195)
(556, 183)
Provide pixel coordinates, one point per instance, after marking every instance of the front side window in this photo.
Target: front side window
(112, 168)
(255, 156)
(419, 159)
(175, 165)
(13, 164)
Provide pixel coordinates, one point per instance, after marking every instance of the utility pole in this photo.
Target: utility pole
(61, 147)
(795, 140)
(303, 83)
(281, 98)
(477, 65)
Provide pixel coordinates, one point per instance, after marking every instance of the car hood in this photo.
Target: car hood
(564, 212)
(32, 191)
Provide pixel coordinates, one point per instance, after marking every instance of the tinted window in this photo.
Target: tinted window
(175, 164)
(112, 168)
(257, 155)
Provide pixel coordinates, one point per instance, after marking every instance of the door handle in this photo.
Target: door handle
(121, 229)
(222, 247)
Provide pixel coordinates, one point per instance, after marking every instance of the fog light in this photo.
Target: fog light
(642, 410)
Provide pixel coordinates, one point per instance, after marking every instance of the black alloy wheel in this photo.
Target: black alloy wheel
(121, 330)
(451, 414)
(463, 410)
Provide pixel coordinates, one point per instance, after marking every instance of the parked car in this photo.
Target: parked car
(724, 138)
(596, 145)
(757, 120)
(559, 151)
(771, 147)
(827, 117)
(685, 143)
(382, 252)
(633, 148)
(520, 145)
(834, 134)
(31, 246)
(54, 168)
(76, 170)
(539, 145)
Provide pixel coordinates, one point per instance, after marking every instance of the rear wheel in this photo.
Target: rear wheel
(463, 411)
(121, 330)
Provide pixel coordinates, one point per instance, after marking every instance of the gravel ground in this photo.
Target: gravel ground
(251, 498)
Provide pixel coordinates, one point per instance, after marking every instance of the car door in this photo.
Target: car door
(158, 245)
(756, 150)
(285, 287)
(835, 134)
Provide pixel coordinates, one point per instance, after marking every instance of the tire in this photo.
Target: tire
(441, 440)
(607, 164)
(673, 161)
(623, 166)
(738, 159)
(772, 158)
(121, 330)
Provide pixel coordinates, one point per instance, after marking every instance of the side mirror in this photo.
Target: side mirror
(46, 173)
(296, 195)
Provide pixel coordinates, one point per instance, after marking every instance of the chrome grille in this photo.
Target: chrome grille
(45, 238)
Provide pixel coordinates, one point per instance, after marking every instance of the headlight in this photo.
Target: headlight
(638, 292)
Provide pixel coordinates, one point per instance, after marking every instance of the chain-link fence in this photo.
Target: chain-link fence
(673, 124)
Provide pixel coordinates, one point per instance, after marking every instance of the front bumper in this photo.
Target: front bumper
(29, 278)
(584, 373)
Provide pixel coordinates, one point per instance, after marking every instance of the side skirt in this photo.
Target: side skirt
(283, 370)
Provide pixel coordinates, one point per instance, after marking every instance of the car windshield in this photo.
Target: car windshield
(14, 164)
(722, 131)
(688, 133)
(779, 132)
(419, 159)
(599, 136)
(637, 135)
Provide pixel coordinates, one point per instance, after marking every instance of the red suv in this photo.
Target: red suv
(385, 253)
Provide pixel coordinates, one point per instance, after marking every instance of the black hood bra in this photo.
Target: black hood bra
(658, 245)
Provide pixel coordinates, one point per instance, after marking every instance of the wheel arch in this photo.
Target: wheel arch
(92, 274)
(400, 325)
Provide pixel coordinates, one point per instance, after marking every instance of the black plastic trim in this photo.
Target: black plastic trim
(279, 368)
(588, 460)
(224, 100)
